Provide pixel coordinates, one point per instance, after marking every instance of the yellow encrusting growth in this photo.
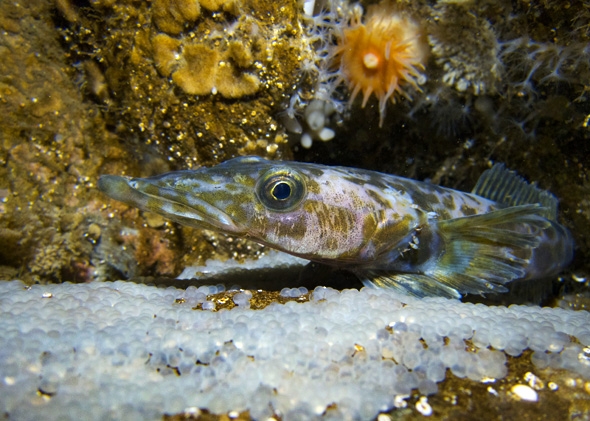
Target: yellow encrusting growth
(215, 5)
(206, 66)
(173, 16)
(202, 70)
(231, 83)
(241, 54)
(166, 50)
(197, 73)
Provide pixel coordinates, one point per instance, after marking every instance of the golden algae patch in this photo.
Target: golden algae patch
(202, 68)
(172, 16)
(240, 53)
(197, 74)
(165, 50)
(231, 83)
(215, 5)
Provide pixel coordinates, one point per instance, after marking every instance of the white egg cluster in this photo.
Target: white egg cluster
(270, 259)
(112, 350)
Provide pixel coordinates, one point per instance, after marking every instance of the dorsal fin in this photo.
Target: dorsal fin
(504, 186)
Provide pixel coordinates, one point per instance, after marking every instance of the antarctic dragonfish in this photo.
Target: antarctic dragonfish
(390, 231)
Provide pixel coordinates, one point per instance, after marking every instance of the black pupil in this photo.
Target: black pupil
(281, 191)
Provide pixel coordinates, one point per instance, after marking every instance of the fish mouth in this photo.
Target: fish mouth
(177, 205)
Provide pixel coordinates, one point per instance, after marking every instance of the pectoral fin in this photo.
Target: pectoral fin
(479, 254)
(414, 284)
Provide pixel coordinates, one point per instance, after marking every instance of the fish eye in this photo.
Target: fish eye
(280, 190)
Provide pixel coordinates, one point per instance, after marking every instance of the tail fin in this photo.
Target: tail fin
(482, 254)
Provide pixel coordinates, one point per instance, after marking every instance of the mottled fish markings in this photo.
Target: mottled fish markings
(392, 232)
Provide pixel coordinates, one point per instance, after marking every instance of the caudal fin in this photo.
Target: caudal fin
(482, 253)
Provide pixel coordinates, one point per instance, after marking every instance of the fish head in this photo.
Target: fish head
(219, 198)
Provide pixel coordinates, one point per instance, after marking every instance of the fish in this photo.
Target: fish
(392, 232)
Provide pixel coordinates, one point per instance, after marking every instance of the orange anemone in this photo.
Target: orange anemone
(382, 55)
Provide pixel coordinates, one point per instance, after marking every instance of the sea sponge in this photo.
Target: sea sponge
(165, 51)
(234, 83)
(171, 16)
(196, 76)
(202, 70)
(240, 53)
(230, 6)
(382, 55)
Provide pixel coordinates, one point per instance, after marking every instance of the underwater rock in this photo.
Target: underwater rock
(214, 74)
(53, 148)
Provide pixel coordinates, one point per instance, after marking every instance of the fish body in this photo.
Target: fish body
(391, 231)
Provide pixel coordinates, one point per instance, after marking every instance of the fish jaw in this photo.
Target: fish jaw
(157, 195)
